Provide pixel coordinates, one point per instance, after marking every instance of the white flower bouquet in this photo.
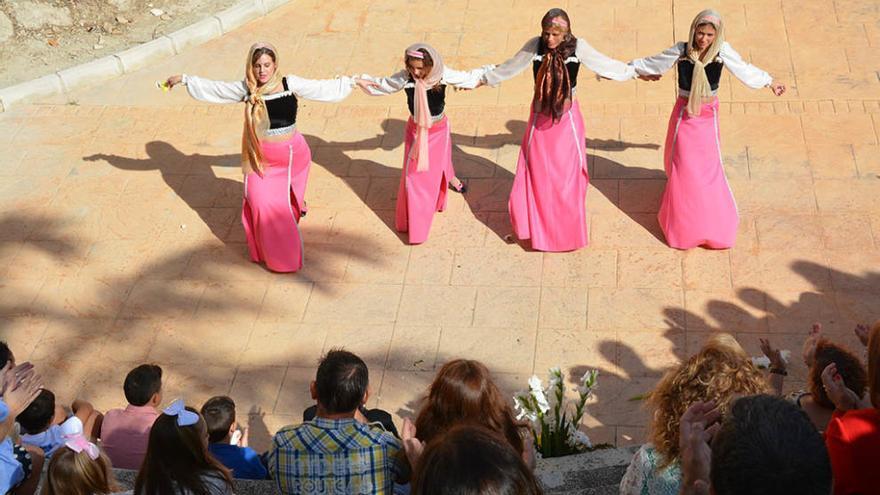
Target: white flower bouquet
(554, 419)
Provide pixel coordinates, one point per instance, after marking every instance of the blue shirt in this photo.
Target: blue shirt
(11, 472)
(243, 461)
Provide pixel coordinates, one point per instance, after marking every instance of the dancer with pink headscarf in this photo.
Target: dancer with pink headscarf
(550, 186)
(698, 208)
(275, 156)
(427, 156)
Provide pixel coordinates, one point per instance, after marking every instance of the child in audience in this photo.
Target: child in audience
(125, 432)
(79, 467)
(20, 466)
(178, 460)
(43, 425)
(234, 453)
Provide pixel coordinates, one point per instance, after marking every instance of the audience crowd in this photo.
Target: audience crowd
(719, 425)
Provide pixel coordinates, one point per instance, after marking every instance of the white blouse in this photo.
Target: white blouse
(587, 55)
(451, 77)
(750, 75)
(329, 90)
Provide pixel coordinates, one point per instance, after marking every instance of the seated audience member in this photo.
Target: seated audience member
(853, 433)
(20, 466)
(243, 461)
(364, 415)
(79, 468)
(335, 453)
(720, 371)
(470, 459)
(43, 424)
(764, 445)
(463, 392)
(177, 460)
(819, 352)
(125, 432)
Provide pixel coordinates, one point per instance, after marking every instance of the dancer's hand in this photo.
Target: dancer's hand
(777, 88)
(650, 77)
(366, 85)
(173, 81)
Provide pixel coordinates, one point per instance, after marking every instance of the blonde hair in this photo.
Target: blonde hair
(719, 372)
(256, 117)
(701, 91)
(75, 473)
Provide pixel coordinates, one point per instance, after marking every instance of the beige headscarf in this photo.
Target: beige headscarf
(700, 89)
(256, 118)
(422, 113)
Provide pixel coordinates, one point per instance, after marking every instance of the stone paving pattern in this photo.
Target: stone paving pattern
(120, 239)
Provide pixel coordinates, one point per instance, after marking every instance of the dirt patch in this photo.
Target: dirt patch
(39, 37)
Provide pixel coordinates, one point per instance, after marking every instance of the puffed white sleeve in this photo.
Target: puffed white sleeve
(602, 64)
(329, 90)
(750, 75)
(387, 85)
(215, 91)
(466, 79)
(515, 65)
(656, 65)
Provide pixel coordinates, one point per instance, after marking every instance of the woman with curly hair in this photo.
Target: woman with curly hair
(463, 392)
(550, 186)
(720, 371)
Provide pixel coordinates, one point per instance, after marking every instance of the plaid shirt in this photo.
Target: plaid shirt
(334, 456)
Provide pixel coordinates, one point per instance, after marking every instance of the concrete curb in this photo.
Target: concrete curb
(137, 57)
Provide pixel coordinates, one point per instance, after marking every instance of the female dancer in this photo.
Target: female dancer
(275, 156)
(427, 155)
(698, 207)
(547, 200)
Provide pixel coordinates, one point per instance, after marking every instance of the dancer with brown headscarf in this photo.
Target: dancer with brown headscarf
(549, 190)
(275, 156)
(427, 157)
(698, 208)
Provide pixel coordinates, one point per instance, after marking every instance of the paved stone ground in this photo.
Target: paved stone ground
(120, 241)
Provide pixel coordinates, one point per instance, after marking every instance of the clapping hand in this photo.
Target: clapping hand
(809, 350)
(862, 332)
(411, 445)
(777, 362)
(843, 398)
(697, 426)
(21, 385)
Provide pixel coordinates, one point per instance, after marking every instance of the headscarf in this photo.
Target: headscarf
(256, 118)
(700, 89)
(422, 113)
(552, 83)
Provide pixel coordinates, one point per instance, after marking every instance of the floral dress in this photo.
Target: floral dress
(645, 477)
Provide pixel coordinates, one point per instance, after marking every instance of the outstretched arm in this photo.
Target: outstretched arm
(465, 79)
(602, 64)
(515, 65)
(328, 90)
(210, 91)
(656, 65)
(384, 85)
(750, 75)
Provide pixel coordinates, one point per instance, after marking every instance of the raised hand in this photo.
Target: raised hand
(697, 426)
(843, 398)
(774, 355)
(21, 385)
(862, 332)
(411, 445)
(809, 350)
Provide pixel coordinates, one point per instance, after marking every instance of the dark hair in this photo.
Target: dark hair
(767, 445)
(177, 460)
(849, 366)
(470, 459)
(552, 85)
(37, 417)
(259, 52)
(463, 391)
(142, 383)
(5, 354)
(219, 414)
(341, 381)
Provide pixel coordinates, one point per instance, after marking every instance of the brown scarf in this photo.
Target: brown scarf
(552, 85)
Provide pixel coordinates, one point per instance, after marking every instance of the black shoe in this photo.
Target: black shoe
(462, 188)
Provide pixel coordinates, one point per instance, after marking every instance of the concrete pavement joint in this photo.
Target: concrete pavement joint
(139, 56)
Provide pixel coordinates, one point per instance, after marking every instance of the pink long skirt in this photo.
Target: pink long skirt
(422, 193)
(273, 204)
(698, 208)
(549, 190)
